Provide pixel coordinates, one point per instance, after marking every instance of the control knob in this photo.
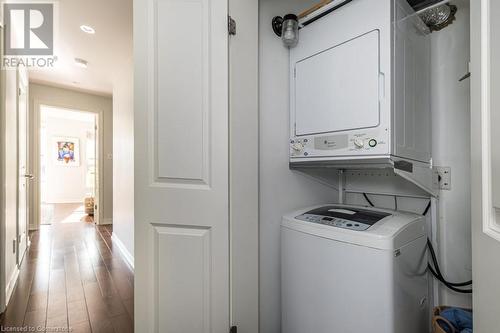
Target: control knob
(297, 147)
(359, 143)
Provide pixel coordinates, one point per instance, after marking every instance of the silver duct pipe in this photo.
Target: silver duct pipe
(438, 16)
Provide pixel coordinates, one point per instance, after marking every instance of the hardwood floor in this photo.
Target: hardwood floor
(72, 279)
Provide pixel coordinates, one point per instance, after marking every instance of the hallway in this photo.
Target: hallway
(72, 277)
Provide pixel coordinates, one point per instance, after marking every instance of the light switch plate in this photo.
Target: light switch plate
(444, 178)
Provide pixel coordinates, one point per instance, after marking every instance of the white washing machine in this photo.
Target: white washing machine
(353, 269)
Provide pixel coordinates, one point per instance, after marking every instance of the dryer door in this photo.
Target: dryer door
(338, 89)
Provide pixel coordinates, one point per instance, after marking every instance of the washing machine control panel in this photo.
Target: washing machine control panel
(341, 217)
(334, 222)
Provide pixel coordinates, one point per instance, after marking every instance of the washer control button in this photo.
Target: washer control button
(372, 143)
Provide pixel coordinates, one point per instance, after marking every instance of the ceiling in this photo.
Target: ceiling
(106, 51)
(53, 112)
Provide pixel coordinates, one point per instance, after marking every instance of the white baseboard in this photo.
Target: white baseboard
(11, 285)
(129, 258)
(107, 220)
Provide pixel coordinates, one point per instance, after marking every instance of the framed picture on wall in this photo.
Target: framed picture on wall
(66, 151)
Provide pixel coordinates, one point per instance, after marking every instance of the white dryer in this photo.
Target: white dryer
(353, 269)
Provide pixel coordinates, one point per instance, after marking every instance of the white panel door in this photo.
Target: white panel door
(485, 166)
(23, 171)
(181, 166)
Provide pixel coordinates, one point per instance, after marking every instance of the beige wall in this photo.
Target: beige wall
(65, 98)
(123, 169)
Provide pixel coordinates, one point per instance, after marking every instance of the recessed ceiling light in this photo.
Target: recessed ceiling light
(81, 63)
(87, 28)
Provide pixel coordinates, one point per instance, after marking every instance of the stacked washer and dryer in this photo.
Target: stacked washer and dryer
(360, 98)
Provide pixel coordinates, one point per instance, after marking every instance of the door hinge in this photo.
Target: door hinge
(231, 26)
(233, 329)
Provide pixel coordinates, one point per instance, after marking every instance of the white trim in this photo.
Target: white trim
(490, 223)
(2, 181)
(106, 221)
(9, 289)
(129, 258)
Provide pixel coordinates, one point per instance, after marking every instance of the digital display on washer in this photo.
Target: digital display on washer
(342, 217)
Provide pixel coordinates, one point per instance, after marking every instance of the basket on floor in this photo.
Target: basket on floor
(438, 322)
(89, 205)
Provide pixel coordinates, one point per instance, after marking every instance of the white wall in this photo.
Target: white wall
(244, 165)
(123, 168)
(70, 99)
(65, 183)
(281, 190)
(451, 147)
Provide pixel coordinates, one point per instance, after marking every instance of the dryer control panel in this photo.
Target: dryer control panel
(353, 219)
(358, 143)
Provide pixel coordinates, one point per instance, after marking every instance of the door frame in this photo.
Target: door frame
(2, 178)
(22, 79)
(484, 186)
(35, 157)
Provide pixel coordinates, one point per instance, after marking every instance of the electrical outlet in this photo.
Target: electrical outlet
(443, 178)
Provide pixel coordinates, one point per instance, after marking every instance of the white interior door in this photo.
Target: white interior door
(485, 181)
(23, 170)
(97, 173)
(181, 166)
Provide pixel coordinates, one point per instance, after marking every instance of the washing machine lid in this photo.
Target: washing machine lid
(365, 226)
(359, 219)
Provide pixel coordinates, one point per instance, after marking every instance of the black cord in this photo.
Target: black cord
(436, 272)
(368, 200)
(442, 280)
(427, 208)
(438, 275)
